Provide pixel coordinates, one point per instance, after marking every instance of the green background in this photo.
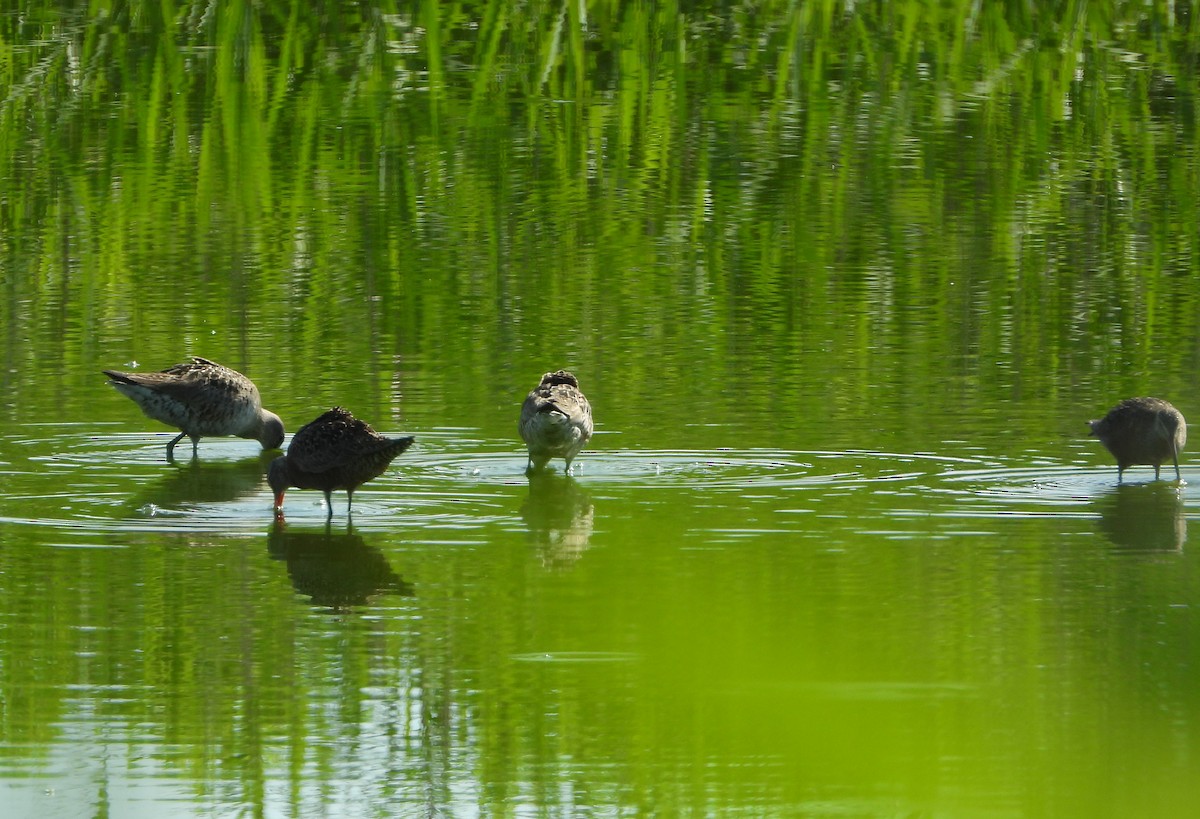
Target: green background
(842, 282)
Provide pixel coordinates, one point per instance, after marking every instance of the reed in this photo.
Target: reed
(705, 166)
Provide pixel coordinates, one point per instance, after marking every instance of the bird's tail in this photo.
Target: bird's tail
(397, 445)
(119, 377)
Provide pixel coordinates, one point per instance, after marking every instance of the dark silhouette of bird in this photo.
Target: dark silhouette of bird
(202, 399)
(337, 570)
(335, 451)
(1142, 431)
(556, 420)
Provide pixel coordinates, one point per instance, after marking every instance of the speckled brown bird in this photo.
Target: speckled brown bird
(1142, 431)
(203, 399)
(556, 420)
(336, 451)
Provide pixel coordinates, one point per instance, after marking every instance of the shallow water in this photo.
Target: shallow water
(842, 285)
(831, 631)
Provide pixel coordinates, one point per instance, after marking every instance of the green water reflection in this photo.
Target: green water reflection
(842, 283)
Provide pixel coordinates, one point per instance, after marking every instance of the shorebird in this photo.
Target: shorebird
(336, 451)
(556, 420)
(1142, 431)
(203, 399)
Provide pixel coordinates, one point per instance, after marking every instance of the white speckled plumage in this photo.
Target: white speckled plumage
(334, 451)
(1142, 431)
(202, 399)
(556, 420)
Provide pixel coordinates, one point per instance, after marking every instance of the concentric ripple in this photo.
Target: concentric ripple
(95, 485)
(697, 469)
(1056, 487)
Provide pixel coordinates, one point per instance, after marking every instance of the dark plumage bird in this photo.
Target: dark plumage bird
(1142, 431)
(203, 399)
(336, 451)
(556, 420)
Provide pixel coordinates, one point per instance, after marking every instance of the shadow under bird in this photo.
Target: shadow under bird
(203, 399)
(336, 451)
(556, 420)
(335, 570)
(1142, 431)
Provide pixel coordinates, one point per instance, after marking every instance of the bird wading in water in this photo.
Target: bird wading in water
(335, 451)
(1142, 431)
(203, 399)
(556, 420)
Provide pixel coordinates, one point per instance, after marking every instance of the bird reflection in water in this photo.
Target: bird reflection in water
(195, 482)
(559, 516)
(334, 569)
(1144, 517)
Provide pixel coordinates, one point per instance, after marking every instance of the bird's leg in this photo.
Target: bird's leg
(536, 464)
(349, 502)
(171, 446)
(329, 504)
(1175, 460)
(1156, 472)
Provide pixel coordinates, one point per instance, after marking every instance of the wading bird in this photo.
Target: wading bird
(556, 420)
(336, 451)
(204, 400)
(1142, 431)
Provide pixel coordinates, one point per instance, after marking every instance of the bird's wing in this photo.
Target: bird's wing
(334, 439)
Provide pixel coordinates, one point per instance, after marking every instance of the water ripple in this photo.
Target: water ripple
(697, 469)
(93, 486)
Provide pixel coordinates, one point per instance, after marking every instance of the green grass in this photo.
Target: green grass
(708, 169)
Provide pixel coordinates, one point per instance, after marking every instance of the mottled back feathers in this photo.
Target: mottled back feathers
(333, 452)
(336, 439)
(556, 420)
(1142, 431)
(202, 399)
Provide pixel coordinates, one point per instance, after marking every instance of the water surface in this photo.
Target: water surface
(843, 286)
